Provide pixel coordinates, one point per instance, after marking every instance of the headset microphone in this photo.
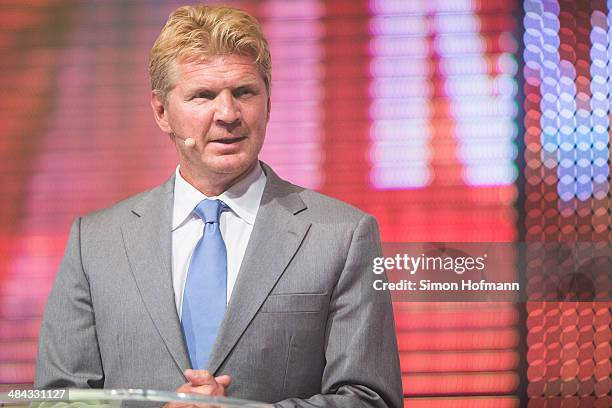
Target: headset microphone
(189, 142)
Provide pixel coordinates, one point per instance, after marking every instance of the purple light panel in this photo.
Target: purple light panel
(567, 107)
(575, 139)
(432, 56)
(293, 138)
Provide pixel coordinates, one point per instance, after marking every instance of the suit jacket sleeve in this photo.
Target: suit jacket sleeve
(362, 362)
(68, 353)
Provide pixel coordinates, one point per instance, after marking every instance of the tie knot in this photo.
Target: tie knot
(209, 210)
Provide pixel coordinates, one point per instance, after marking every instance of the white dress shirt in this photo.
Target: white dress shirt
(243, 198)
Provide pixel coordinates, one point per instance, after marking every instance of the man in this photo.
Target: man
(225, 280)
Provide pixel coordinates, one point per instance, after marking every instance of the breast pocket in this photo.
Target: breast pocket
(295, 303)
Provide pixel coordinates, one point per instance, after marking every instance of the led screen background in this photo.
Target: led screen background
(568, 79)
(484, 121)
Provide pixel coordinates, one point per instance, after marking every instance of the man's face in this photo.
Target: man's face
(222, 103)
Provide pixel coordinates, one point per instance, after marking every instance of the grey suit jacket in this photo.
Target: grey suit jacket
(303, 327)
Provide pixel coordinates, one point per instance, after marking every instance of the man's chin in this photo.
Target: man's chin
(234, 167)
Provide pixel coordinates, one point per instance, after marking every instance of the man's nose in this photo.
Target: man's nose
(227, 110)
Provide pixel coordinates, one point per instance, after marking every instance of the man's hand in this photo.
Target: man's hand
(202, 382)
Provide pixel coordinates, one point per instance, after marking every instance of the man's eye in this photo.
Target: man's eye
(242, 92)
(205, 95)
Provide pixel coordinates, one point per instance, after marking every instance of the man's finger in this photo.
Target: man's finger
(184, 388)
(224, 380)
(213, 389)
(199, 377)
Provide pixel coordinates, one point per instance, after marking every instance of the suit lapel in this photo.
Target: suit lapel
(277, 235)
(148, 243)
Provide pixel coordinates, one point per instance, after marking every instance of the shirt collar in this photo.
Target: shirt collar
(243, 197)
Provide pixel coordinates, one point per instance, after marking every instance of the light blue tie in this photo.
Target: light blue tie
(204, 298)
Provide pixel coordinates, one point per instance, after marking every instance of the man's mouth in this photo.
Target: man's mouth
(229, 140)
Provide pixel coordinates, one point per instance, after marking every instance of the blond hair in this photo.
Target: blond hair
(201, 31)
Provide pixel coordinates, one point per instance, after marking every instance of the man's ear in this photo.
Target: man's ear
(159, 112)
(269, 106)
